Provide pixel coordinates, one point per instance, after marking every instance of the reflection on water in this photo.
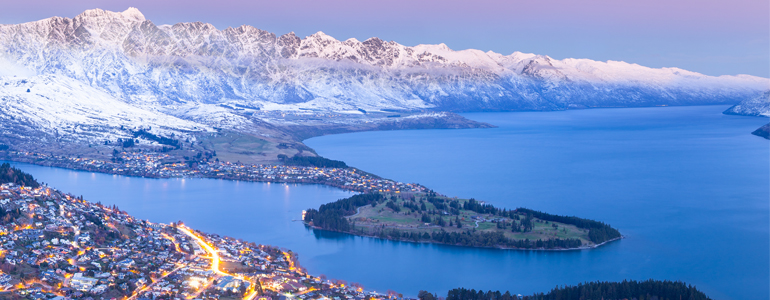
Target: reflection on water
(687, 185)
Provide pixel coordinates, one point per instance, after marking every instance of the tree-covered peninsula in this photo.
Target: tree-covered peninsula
(430, 217)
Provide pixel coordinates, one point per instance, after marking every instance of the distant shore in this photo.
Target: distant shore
(333, 177)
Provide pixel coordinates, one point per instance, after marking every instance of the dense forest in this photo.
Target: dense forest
(628, 289)
(331, 216)
(16, 176)
(312, 161)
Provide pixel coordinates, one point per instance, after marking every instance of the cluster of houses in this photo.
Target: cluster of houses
(162, 165)
(58, 246)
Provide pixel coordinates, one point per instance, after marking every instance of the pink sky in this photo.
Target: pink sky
(714, 37)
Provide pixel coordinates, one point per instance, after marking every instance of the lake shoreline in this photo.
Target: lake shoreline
(46, 163)
(464, 246)
(56, 164)
(626, 167)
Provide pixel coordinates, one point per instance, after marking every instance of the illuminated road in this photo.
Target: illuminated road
(214, 253)
(173, 240)
(215, 258)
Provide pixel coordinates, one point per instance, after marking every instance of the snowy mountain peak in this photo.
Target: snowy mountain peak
(104, 16)
(320, 35)
(134, 13)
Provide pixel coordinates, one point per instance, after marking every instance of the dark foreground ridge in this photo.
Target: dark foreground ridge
(429, 217)
(13, 175)
(631, 290)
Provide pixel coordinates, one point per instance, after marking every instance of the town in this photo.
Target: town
(163, 165)
(58, 246)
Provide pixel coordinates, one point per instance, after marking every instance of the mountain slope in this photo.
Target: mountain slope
(757, 106)
(50, 108)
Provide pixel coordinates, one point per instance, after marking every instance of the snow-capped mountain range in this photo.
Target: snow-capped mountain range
(107, 69)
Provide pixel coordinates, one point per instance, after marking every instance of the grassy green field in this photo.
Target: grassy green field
(233, 147)
(410, 220)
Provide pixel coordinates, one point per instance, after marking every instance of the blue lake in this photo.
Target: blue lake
(688, 186)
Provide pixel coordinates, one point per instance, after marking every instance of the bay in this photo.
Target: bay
(688, 186)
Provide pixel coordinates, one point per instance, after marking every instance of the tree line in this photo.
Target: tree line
(312, 161)
(13, 175)
(477, 239)
(598, 232)
(627, 289)
(331, 216)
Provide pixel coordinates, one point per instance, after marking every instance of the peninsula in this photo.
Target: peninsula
(54, 245)
(387, 208)
(433, 218)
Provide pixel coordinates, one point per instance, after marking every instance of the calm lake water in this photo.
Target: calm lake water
(688, 186)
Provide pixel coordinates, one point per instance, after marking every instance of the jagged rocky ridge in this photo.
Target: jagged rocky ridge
(140, 62)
